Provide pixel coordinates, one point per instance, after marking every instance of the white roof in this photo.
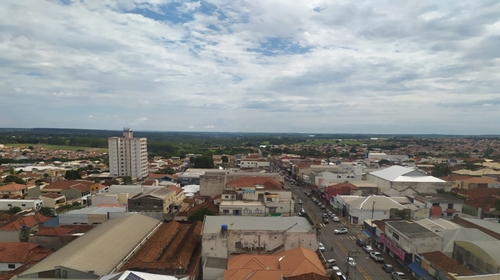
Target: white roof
(127, 274)
(462, 234)
(438, 225)
(100, 250)
(493, 226)
(241, 203)
(94, 210)
(398, 173)
(130, 189)
(248, 223)
(381, 203)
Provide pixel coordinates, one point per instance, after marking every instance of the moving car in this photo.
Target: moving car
(376, 256)
(321, 247)
(336, 219)
(351, 261)
(360, 242)
(340, 231)
(367, 248)
(396, 275)
(326, 221)
(387, 267)
(331, 263)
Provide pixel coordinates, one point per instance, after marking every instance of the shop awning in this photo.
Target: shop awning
(334, 205)
(418, 270)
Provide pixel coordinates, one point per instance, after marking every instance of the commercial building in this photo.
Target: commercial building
(128, 156)
(223, 236)
(92, 215)
(482, 257)
(257, 201)
(213, 182)
(406, 181)
(440, 205)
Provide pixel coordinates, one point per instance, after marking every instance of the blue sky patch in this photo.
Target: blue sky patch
(278, 46)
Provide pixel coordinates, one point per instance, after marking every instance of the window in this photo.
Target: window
(435, 204)
(11, 265)
(272, 209)
(395, 236)
(225, 211)
(10, 205)
(23, 204)
(450, 205)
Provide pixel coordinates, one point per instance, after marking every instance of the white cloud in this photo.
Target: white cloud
(423, 66)
(209, 126)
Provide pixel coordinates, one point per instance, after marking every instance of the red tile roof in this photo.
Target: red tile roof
(455, 178)
(30, 221)
(52, 195)
(447, 264)
(176, 189)
(67, 184)
(307, 276)
(63, 230)
(15, 252)
(12, 187)
(481, 197)
(208, 204)
(248, 182)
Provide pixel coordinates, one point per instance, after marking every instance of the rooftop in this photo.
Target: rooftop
(251, 181)
(490, 248)
(437, 198)
(438, 225)
(63, 230)
(29, 220)
(158, 193)
(95, 210)
(447, 264)
(463, 234)
(378, 202)
(493, 226)
(411, 229)
(398, 173)
(291, 224)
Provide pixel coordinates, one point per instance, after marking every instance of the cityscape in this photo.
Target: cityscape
(249, 140)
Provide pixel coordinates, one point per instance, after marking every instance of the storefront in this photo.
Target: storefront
(419, 271)
(393, 250)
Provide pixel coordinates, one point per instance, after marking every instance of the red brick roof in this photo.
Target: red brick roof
(67, 184)
(15, 252)
(157, 176)
(481, 197)
(63, 230)
(81, 187)
(307, 276)
(455, 178)
(248, 182)
(12, 187)
(176, 189)
(30, 221)
(447, 264)
(172, 245)
(208, 204)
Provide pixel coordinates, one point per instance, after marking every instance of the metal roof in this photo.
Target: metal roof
(438, 225)
(463, 234)
(290, 224)
(411, 229)
(100, 250)
(381, 202)
(493, 226)
(398, 173)
(491, 248)
(94, 210)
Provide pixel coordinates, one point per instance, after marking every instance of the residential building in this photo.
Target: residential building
(294, 262)
(53, 200)
(213, 181)
(15, 254)
(35, 204)
(9, 232)
(440, 205)
(439, 265)
(174, 248)
(13, 190)
(406, 181)
(257, 201)
(101, 251)
(128, 156)
(357, 209)
(223, 236)
(71, 189)
(404, 239)
(156, 200)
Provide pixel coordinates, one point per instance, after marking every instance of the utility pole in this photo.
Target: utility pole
(351, 254)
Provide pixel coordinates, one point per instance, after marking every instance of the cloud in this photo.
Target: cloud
(277, 66)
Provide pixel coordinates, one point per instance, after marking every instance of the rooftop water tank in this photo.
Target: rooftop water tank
(223, 227)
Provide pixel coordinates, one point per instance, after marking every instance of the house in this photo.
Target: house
(223, 236)
(177, 204)
(440, 205)
(71, 189)
(156, 200)
(15, 254)
(257, 201)
(53, 200)
(401, 178)
(213, 181)
(9, 232)
(35, 204)
(13, 190)
(55, 237)
(345, 188)
(179, 252)
(101, 251)
(479, 202)
(294, 262)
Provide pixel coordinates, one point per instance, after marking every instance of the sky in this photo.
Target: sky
(312, 66)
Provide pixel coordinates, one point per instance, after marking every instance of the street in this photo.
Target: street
(344, 244)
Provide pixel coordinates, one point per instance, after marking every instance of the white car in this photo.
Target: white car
(331, 263)
(340, 231)
(351, 261)
(368, 248)
(335, 219)
(321, 247)
(337, 270)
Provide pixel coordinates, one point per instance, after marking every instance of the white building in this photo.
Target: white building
(441, 205)
(256, 201)
(254, 163)
(35, 204)
(401, 179)
(128, 156)
(226, 235)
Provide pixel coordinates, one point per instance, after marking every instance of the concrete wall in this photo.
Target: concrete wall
(5, 266)
(53, 242)
(213, 183)
(104, 199)
(36, 204)
(9, 236)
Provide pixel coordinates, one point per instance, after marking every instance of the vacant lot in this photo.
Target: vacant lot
(58, 147)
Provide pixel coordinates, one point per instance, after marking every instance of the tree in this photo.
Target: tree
(46, 211)
(39, 182)
(166, 170)
(31, 147)
(384, 162)
(224, 159)
(203, 162)
(200, 214)
(127, 180)
(12, 171)
(5, 196)
(72, 175)
(14, 210)
(46, 175)
(19, 171)
(15, 179)
(441, 170)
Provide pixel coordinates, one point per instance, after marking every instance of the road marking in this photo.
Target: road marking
(359, 268)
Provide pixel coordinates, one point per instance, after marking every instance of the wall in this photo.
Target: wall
(5, 266)
(104, 199)
(213, 183)
(53, 242)
(365, 214)
(475, 259)
(146, 204)
(5, 204)
(71, 193)
(9, 236)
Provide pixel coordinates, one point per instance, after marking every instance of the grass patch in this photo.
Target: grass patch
(58, 147)
(265, 143)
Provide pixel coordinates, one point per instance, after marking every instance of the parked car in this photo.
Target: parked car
(329, 212)
(331, 263)
(300, 201)
(321, 247)
(337, 271)
(376, 256)
(332, 215)
(336, 219)
(396, 275)
(325, 215)
(326, 221)
(342, 277)
(368, 248)
(360, 242)
(340, 231)
(308, 194)
(351, 261)
(387, 268)
(322, 206)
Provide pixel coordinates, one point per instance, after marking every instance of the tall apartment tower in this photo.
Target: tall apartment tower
(128, 156)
